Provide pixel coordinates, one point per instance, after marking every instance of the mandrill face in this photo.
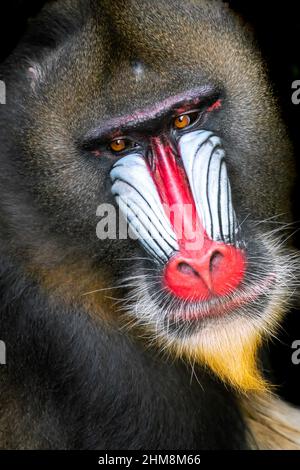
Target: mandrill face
(174, 125)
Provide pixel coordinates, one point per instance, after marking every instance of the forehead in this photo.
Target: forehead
(126, 80)
(127, 61)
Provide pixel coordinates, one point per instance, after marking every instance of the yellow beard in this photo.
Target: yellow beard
(231, 352)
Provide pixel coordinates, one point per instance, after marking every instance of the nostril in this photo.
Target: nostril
(215, 261)
(186, 268)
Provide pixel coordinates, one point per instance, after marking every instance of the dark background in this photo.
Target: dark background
(277, 28)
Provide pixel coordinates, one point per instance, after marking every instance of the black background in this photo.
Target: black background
(277, 28)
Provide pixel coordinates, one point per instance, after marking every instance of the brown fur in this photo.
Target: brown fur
(272, 423)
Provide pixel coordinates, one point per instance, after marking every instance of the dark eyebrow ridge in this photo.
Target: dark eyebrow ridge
(153, 112)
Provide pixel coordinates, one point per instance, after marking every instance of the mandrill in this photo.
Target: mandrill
(158, 113)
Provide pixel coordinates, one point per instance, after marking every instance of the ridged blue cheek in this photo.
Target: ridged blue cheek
(136, 194)
(204, 161)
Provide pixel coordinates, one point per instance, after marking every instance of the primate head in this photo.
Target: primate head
(161, 110)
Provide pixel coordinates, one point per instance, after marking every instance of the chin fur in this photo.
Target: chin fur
(228, 344)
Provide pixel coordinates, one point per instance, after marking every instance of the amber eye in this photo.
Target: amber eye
(118, 145)
(180, 122)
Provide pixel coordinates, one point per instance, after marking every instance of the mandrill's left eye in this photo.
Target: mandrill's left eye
(185, 120)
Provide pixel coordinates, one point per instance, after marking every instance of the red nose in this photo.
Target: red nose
(211, 268)
(215, 271)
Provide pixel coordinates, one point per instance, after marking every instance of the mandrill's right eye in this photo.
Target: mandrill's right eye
(120, 145)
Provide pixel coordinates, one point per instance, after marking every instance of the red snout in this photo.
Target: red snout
(211, 268)
(215, 271)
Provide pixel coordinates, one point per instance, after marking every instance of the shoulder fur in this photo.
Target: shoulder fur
(272, 423)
